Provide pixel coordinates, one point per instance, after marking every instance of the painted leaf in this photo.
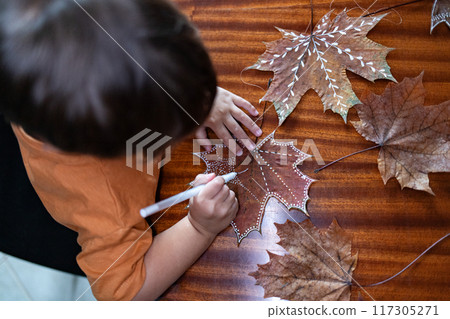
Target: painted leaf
(440, 13)
(269, 171)
(318, 61)
(318, 264)
(413, 139)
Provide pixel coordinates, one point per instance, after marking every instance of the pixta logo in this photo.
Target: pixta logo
(143, 147)
(217, 154)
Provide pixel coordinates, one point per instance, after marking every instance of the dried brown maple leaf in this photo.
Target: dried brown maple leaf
(319, 60)
(269, 171)
(414, 139)
(318, 265)
(440, 13)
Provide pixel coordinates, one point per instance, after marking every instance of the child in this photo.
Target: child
(74, 96)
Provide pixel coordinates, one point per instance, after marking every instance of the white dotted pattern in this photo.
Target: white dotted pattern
(327, 36)
(267, 167)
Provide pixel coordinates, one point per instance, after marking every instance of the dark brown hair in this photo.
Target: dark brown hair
(65, 76)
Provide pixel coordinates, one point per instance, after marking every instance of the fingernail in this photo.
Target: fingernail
(251, 147)
(258, 132)
(239, 153)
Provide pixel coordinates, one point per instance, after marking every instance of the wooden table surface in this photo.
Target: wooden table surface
(390, 226)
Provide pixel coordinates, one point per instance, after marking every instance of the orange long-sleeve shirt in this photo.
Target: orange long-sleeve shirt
(100, 200)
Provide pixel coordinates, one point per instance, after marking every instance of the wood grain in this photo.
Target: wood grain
(390, 226)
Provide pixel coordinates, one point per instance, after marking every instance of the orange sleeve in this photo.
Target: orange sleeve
(100, 199)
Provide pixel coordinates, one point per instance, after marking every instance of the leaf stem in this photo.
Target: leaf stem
(409, 265)
(393, 7)
(339, 159)
(312, 16)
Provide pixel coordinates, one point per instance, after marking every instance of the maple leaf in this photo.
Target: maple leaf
(318, 264)
(319, 60)
(269, 171)
(414, 139)
(440, 13)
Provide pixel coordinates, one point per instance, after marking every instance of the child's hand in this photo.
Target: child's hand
(213, 209)
(225, 116)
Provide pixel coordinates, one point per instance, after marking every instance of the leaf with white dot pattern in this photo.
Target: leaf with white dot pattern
(269, 171)
(440, 13)
(301, 62)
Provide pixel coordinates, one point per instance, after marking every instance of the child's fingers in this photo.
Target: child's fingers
(232, 203)
(213, 188)
(235, 208)
(223, 134)
(230, 198)
(239, 133)
(243, 103)
(202, 135)
(203, 179)
(240, 116)
(222, 195)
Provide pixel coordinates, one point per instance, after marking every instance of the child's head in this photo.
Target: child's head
(66, 78)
